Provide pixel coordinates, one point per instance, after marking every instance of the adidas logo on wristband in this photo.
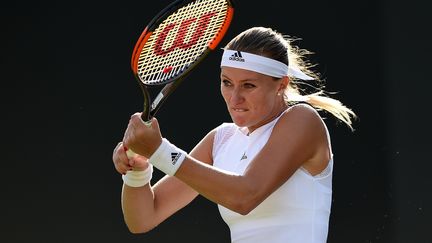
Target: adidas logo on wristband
(167, 157)
(175, 157)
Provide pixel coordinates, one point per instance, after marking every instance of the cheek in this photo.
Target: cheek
(225, 93)
(264, 102)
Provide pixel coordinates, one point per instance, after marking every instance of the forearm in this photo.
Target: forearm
(144, 208)
(230, 190)
(236, 192)
(138, 208)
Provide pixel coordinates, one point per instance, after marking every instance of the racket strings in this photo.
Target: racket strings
(181, 47)
(183, 58)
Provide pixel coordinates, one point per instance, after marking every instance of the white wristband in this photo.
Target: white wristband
(138, 178)
(167, 157)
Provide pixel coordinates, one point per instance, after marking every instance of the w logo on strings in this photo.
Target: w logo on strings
(182, 32)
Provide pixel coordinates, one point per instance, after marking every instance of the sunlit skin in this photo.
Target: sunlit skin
(252, 99)
(298, 139)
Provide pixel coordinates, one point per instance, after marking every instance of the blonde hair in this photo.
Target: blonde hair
(269, 43)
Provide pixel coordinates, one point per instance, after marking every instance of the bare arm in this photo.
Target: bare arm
(146, 207)
(297, 139)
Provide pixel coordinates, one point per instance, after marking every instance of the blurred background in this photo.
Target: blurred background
(67, 94)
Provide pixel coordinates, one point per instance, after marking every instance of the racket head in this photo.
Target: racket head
(179, 38)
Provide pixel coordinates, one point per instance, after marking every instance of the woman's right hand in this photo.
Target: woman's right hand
(123, 163)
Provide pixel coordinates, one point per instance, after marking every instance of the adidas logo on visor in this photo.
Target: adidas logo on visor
(237, 56)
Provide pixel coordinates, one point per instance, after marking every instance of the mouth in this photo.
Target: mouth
(239, 110)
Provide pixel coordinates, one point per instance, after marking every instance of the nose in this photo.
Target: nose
(236, 96)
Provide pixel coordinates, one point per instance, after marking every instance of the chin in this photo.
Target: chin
(239, 121)
(236, 120)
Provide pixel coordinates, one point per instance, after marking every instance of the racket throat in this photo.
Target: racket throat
(160, 98)
(155, 103)
(145, 115)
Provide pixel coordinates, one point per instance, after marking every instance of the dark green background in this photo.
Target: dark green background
(67, 93)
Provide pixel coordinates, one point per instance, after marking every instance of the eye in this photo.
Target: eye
(249, 85)
(226, 83)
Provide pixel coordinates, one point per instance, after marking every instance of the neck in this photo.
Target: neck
(276, 114)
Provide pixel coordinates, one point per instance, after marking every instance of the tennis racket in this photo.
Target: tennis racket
(173, 44)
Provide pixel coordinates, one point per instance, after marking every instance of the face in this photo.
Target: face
(252, 98)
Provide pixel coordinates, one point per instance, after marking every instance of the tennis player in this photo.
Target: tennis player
(269, 170)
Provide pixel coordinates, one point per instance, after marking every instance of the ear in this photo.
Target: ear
(284, 84)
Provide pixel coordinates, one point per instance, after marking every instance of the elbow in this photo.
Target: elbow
(245, 202)
(139, 229)
(244, 207)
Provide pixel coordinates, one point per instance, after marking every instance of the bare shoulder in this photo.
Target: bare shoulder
(302, 116)
(203, 150)
(301, 124)
(302, 133)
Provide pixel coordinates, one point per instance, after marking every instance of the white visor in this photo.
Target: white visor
(260, 64)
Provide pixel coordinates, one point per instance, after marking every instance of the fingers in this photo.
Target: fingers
(139, 162)
(124, 163)
(142, 138)
(120, 159)
(134, 130)
(137, 121)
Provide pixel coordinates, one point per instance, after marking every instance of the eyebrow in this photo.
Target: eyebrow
(243, 80)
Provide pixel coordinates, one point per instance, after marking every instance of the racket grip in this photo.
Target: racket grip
(129, 153)
(147, 123)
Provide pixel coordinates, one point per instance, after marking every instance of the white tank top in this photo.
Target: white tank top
(297, 212)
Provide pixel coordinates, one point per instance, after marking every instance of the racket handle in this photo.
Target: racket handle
(129, 153)
(147, 123)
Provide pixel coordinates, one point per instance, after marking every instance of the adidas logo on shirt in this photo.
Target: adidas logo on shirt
(237, 56)
(175, 157)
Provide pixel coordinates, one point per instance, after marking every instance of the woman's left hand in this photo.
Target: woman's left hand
(142, 138)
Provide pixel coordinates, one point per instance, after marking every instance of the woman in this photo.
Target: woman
(269, 171)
